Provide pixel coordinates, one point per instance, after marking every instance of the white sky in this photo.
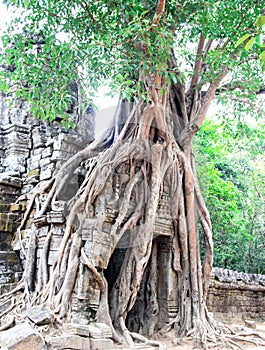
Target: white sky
(5, 16)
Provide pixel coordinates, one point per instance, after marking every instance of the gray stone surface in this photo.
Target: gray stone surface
(236, 294)
(101, 344)
(39, 314)
(75, 342)
(78, 329)
(21, 337)
(31, 151)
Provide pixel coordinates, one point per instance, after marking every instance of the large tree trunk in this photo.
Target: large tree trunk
(143, 161)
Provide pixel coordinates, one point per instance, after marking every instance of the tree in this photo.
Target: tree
(168, 60)
(230, 167)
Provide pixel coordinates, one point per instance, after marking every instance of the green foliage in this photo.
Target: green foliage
(255, 38)
(231, 170)
(118, 43)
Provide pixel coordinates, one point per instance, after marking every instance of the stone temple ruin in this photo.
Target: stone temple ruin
(31, 152)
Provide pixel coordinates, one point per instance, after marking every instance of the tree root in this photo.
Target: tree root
(6, 296)
(7, 325)
(125, 333)
(103, 309)
(146, 341)
(9, 308)
(152, 164)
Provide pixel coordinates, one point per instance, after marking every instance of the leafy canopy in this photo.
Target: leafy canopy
(250, 38)
(231, 168)
(116, 42)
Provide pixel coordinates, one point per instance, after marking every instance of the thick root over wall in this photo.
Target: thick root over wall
(127, 173)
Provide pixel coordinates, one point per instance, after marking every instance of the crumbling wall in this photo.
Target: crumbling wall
(237, 294)
(31, 152)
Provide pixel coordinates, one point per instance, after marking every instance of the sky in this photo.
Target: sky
(5, 16)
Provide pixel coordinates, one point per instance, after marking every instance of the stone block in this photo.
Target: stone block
(43, 231)
(44, 162)
(55, 217)
(95, 332)
(4, 208)
(47, 152)
(39, 314)
(6, 179)
(21, 337)
(58, 230)
(33, 165)
(27, 188)
(105, 329)
(34, 172)
(101, 344)
(52, 257)
(78, 329)
(55, 243)
(40, 221)
(49, 142)
(35, 158)
(37, 151)
(56, 155)
(70, 342)
(15, 207)
(57, 144)
(46, 174)
(6, 225)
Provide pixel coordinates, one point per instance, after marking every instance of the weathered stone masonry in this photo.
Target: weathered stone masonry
(31, 151)
(237, 294)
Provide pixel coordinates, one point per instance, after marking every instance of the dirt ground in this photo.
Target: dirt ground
(239, 327)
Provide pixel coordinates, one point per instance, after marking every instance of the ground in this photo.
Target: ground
(237, 325)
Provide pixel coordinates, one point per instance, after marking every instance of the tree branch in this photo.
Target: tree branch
(210, 95)
(160, 9)
(241, 85)
(198, 63)
(86, 8)
(248, 102)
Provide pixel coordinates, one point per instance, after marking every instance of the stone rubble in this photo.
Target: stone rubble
(39, 315)
(21, 337)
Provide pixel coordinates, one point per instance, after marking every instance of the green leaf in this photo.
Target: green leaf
(71, 124)
(249, 44)
(242, 39)
(260, 21)
(262, 56)
(258, 39)
(173, 77)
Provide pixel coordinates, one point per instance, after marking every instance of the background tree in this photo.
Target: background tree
(170, 60)
(230, 166)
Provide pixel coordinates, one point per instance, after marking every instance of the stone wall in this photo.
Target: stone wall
(31, 152)
(237, 294)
